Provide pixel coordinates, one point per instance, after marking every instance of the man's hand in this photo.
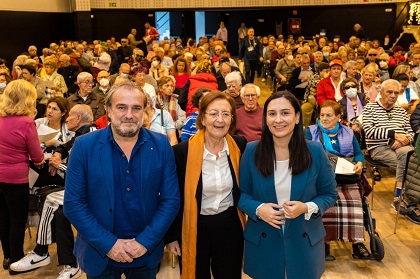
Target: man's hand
(403, 139)
(174, 248)
(272, 214)
(135, 249)
(119, 253)
(293, 209)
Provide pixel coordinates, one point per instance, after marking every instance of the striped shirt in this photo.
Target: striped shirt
(381, 124)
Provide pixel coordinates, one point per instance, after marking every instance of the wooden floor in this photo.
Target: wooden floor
(402, 250)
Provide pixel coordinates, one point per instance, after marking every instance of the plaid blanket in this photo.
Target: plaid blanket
(344, 221)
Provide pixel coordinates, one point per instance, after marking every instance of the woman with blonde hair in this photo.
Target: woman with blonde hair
(367, 84)
(53, 80)
(17, 110)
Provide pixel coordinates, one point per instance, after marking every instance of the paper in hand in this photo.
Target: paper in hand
(45, 133)
(344, 167)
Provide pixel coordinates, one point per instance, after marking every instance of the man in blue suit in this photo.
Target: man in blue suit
(121, 192)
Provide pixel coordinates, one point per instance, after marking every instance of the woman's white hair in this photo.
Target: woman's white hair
(233, 76)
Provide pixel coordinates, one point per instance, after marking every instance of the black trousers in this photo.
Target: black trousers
(219, 245)
(250, 67)
(64, 237)
(14, 203)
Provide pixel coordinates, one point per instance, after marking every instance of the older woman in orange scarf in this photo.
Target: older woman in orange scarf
(208, 229)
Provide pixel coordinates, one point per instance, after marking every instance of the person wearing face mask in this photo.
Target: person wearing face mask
(157, 70)
(352, 105)
(102, 87)
(383, 66)
(284, 68)
(326, 50)
(5, 78)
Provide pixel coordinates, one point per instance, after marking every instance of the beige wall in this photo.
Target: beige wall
(86, 5)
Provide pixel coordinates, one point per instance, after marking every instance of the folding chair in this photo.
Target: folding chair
(372, 164)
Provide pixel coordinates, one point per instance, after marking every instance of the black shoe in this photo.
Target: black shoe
(6, 264)
(376, 174)
(413, 214)
(328, 256)
(360, 251)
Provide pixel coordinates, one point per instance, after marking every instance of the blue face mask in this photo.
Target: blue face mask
(2, 85)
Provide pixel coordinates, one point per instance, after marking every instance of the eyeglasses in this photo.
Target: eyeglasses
(87, 82)
(215, 114)
(232, 86)
(250, 96)
(103, 77)
(383, 60)
(350, 86)
(372, 54)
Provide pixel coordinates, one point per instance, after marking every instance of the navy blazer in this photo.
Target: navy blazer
(89, 197)
(299, 249)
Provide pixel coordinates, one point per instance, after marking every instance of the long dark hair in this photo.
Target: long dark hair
(265, 154)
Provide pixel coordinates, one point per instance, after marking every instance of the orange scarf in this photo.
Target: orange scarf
(189, 223)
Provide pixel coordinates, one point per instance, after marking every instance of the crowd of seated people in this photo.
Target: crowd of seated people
(377, 90)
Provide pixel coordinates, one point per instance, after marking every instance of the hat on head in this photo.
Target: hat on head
(336, 62)
(397, 48)
(224, 59)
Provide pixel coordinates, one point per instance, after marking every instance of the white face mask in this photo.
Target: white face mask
(2, 85)
(383, 64)
(351, 92)
(155, 63)
(124, 75)
(326, 54)
(290, 57)
(104, 82)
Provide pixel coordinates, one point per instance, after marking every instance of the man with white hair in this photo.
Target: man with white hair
(166, 61)
(233, 82)
(388, 133)
(85, 95)
(32, 51)
(249, 117)
(103, 61)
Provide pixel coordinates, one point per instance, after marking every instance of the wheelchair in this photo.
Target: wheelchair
(377, 249)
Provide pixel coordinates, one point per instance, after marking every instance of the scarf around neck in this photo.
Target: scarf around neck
(350, 109)
(326, 138)
(190, 215)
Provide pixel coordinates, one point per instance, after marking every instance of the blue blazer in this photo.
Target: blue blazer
(89, 197)
(299, 249)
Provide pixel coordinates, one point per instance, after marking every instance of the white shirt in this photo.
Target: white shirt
(283, 185)
(104, 62)
(217, 182)
(337, 89)
(304, 73)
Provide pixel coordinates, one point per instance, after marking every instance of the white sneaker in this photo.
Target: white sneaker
(29, 262)
(70, 272)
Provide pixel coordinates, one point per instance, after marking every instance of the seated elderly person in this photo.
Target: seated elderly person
(339, 141)
(233, 82)
(388, 132)
(85, 95)
(352, 105)
(249, 116)
(224, 69)
(79, 121)
(407, 99)
(300, 76)
(69, 72)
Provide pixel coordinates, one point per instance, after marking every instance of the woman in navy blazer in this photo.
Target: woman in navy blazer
(286, 185)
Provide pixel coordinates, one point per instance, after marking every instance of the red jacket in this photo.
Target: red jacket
(198, 81)
(326, 91)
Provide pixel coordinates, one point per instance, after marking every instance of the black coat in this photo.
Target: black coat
(181, 155)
